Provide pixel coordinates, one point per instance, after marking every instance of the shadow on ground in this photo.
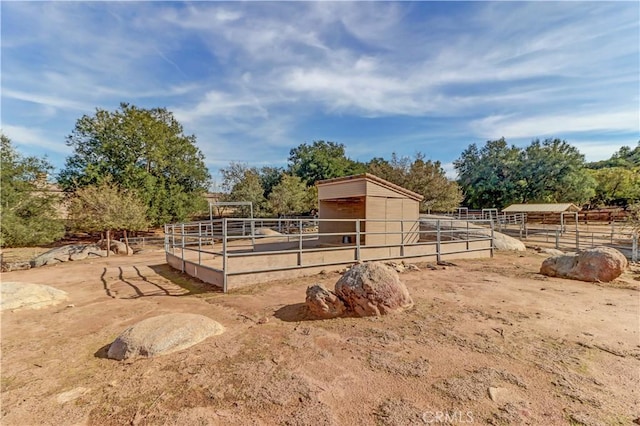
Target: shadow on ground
(102, 352)
(293, 313)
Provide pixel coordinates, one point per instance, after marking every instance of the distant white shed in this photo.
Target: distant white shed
(542, 208)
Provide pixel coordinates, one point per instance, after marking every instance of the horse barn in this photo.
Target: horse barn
(361, 218)
(386, 209)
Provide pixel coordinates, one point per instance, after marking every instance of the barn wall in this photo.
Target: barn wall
(375, 209)
(344, 189)
(339, 210)
(411, 212)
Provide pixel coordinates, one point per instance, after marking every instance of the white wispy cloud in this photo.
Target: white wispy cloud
(247, 77)
(540, 126)
(34, 140)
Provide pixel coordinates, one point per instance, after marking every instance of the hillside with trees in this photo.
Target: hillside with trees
(275, 191)
(141, 149)
(550, 171)
(134, 167)
(28, 214)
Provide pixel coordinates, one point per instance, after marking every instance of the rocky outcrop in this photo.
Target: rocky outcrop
(602, 264)
(162, 335)
(322, 303)
(372, 288)
(76, 252)
(14, 266)
(14, 296)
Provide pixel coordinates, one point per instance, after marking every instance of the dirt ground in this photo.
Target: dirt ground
(553, 351)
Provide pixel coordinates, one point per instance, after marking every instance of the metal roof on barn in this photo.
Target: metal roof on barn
(347, 190)
(542, 208)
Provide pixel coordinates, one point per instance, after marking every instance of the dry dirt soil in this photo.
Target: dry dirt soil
(554, 351)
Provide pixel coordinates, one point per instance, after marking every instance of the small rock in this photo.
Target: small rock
(497, 394)
(322, 303)
(263, 320)
(398, 267)
(72, 394)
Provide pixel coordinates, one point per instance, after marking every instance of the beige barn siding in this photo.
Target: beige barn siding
(377, 190)
(347, 189)
(339, 210)
(411, 212)
(379, 200)
(375, 209)
(394, 214)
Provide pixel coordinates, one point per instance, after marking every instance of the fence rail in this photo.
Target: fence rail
(222, 248)
(626, 242)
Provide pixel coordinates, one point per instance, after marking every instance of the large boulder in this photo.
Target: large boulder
(162, 335)
(322, 303)
(506, 243)
(602, 264)
(372, 288)
(14, 295)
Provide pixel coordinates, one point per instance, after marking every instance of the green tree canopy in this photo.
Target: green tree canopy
(27, 210)
(551, 171)
(105, 208)
(321, 160)
(142, 149)
(424, 177)
(616, 186)
(289, 196)
(490, 176)
(625, 157)
(244, 183)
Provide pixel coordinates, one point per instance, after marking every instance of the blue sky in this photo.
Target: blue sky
(254, 79)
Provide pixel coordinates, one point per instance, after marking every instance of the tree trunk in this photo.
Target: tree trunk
(126, 241)
(108, 242)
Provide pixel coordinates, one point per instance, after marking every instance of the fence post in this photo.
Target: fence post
(634, 248)
(253, 232)
(577, 240)
(173, 238)
(438, 255)
(357, 240)
(224, 254)
(612, 230)
(468, 234)
(401, 238)
(557, 239)
(166, 238)
(492, 239)
(199, 243)
(182, 248)
(300, 242)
